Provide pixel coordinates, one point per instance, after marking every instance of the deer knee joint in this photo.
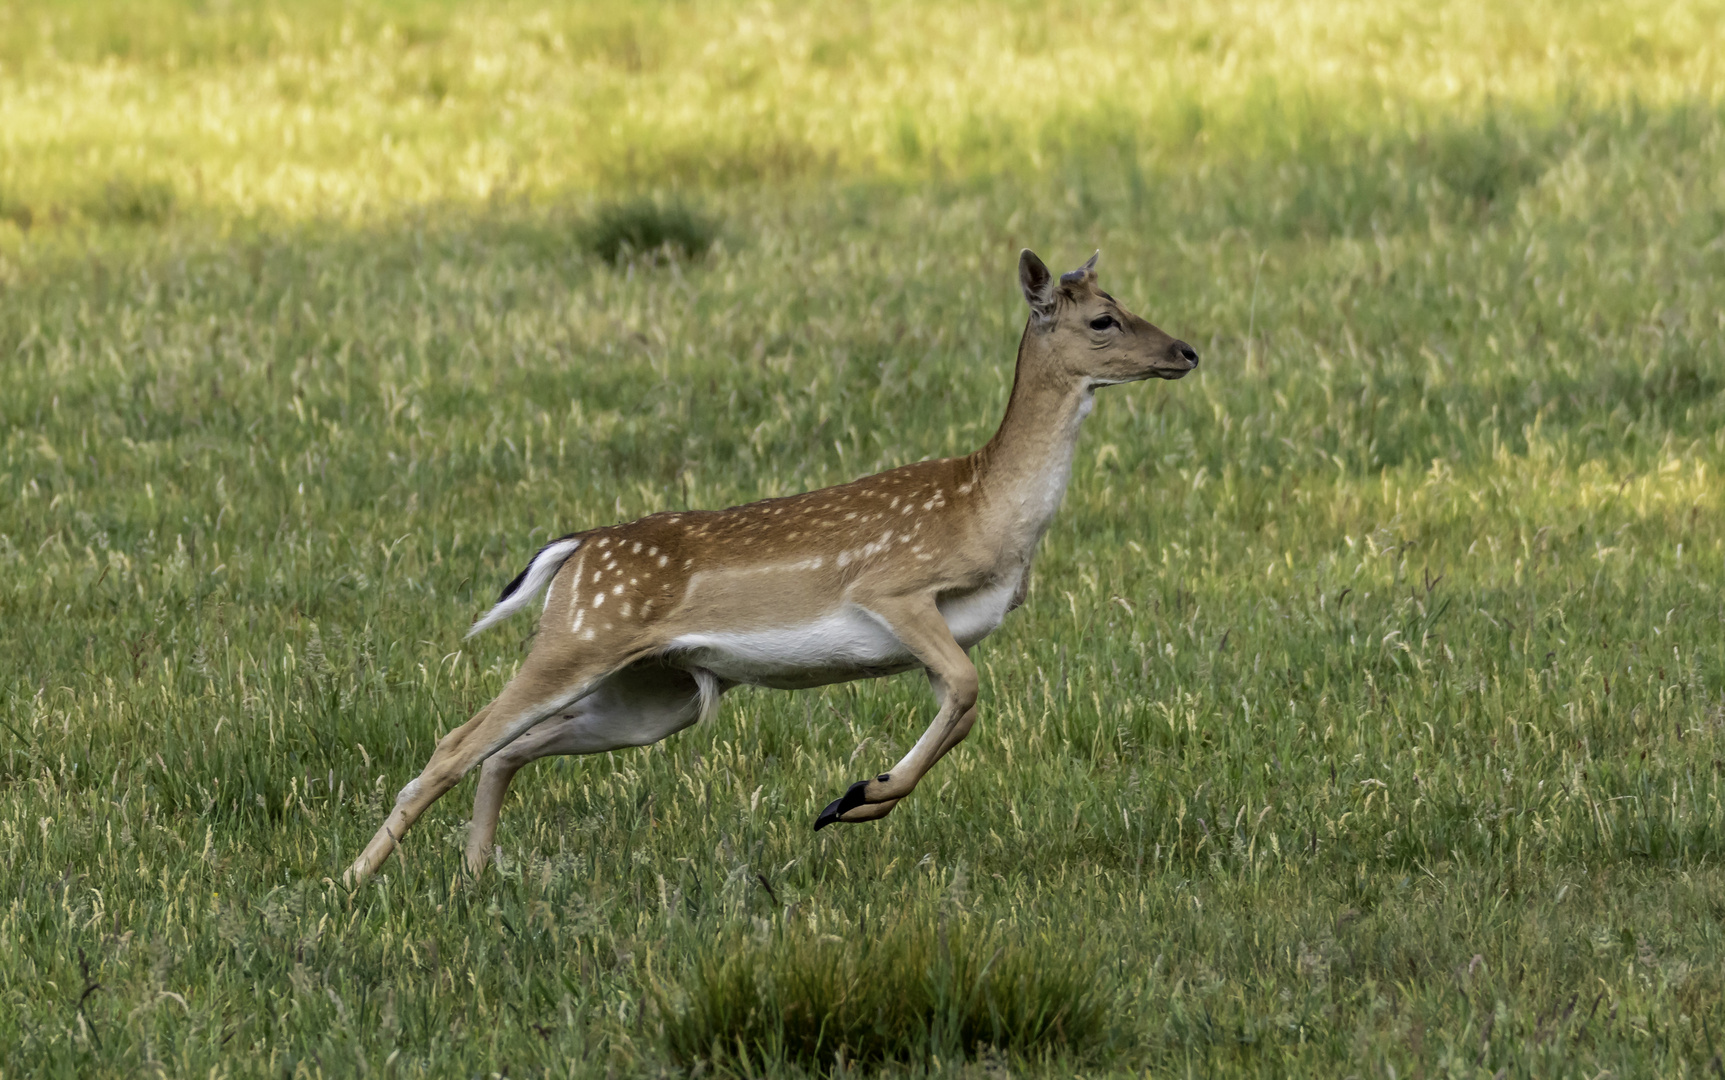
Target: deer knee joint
(963, 691)
(503, 765)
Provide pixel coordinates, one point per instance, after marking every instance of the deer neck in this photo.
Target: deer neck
(1024, 469)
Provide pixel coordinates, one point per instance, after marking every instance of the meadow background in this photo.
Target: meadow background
(1367, 716)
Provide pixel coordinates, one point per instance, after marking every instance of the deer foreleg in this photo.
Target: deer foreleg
(919, 627)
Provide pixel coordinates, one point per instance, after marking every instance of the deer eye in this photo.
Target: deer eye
(1102, 322)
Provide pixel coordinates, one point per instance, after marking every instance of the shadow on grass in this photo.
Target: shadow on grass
(644, 226)
(1283, 168)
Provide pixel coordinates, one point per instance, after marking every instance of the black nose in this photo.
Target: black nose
(1187, 351)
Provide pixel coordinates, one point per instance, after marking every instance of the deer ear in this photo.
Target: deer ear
(1083, 273)
(1038, 285)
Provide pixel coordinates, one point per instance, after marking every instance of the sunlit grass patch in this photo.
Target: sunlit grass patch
(921, 990)
(349, 112)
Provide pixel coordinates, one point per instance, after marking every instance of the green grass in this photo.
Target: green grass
(648, 228)
(910, 991)
(1368, 710)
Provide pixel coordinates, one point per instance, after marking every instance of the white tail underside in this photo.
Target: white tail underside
(538, 574)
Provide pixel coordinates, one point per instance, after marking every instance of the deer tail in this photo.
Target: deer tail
(520, 592)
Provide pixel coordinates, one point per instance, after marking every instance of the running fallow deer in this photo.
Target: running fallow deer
(645, 624)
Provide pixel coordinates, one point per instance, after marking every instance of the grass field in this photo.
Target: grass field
(1367, 716)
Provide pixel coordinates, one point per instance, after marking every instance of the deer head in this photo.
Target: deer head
(1079, 332)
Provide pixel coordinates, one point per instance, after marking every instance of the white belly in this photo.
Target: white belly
(973, 616)
(846, 644)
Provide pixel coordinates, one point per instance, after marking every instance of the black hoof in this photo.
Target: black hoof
(850, 800)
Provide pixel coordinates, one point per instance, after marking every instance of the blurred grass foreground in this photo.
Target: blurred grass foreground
(1367, 713)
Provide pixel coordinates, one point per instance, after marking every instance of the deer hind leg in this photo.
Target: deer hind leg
(543, 687)
(919, 627)
(636, 706)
